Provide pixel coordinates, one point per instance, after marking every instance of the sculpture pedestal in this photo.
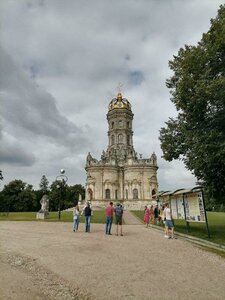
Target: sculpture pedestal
(42, 215)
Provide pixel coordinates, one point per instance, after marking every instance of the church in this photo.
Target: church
(120, 175)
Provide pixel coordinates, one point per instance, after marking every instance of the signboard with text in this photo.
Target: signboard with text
(188, 206)
(194, 207)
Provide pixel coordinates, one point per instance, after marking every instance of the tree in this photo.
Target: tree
(59, 191)
(197, 86)
(44, 184)
(74, 192)
(18, 196)
(1, 176)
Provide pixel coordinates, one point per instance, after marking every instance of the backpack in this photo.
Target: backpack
(118, 211)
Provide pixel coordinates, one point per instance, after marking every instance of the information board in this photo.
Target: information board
(189, 204)
(194, 207)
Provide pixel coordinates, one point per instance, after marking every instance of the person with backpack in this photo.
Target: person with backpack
(118, 218)
(87, 211)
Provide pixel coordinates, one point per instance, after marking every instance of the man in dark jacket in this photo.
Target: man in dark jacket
(119, 216)
(87, 216)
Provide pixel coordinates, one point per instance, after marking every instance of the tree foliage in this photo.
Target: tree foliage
(197, 86)
(44, 184)
(20, 196)
(17, 196)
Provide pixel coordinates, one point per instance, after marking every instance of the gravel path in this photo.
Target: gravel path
(45, 260)
(130, 219)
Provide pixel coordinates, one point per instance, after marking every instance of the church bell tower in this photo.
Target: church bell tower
(120, 133)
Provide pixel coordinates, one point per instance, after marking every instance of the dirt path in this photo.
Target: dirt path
(130, 219)
(41, 260)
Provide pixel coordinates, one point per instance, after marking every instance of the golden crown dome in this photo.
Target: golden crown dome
(119, 102)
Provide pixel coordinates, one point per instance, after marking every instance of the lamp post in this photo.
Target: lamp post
(62, 179)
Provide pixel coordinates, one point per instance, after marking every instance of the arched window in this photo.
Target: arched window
(120, 139)
(120, 123)
(153, 192)
(126, 194)
(112, 125)
(107, 194)
(116, 196)
(128, 124)
(113, 140)
(135, 193)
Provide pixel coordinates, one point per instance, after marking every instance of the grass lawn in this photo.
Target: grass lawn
(66, 216)
(216, 221)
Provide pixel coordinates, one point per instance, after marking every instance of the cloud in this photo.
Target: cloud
(60, 67)
(29, 110)
(13, 153)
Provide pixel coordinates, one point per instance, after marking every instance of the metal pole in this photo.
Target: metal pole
(63, 179)
(59, 212)
(185, 216)
(206, 219)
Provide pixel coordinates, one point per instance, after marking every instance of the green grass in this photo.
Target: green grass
(216, 221)
(18, 216)
(66, 216)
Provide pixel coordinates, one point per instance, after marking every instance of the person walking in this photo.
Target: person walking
(109, 218)
(76, 218)
(87, 215)
(151, 214)
(146, 216)
(156, 214)
(169, 227)
(119, 218)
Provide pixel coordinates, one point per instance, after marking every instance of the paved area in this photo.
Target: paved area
(46, 260)
(130, 219)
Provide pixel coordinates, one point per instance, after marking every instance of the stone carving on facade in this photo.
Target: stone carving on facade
(103, 157)
(154, 159)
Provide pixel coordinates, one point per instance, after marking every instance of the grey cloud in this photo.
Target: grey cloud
(78, 51)
(26, 107)
(136, 77)
(15, 154)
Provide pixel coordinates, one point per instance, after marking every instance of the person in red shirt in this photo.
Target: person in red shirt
(109, 218)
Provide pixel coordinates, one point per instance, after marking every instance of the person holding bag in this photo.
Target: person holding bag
(76, 218)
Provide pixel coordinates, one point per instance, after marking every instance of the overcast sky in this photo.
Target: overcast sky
(61, 63)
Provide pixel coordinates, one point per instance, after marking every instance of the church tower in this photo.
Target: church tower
(120, 132)
(120, 175)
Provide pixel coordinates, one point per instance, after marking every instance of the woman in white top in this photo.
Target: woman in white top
(76, 218)
(169, 227)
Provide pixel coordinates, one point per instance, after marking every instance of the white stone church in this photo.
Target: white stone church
(120, 176)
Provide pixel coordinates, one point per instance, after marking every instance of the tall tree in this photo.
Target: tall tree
(18, 196)
(197, 86)
(44, 184)
(75, 192)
